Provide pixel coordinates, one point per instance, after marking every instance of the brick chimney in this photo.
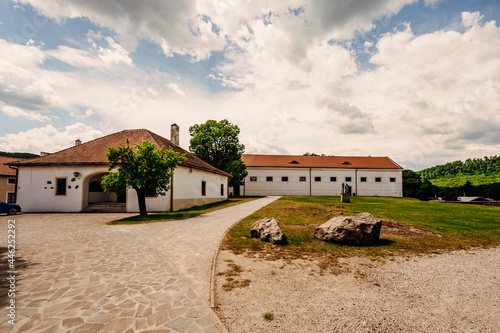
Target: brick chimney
(174, 134)
(78, 142)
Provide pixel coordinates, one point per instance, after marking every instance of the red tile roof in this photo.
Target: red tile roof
(94, 152)
(297, 161)
(4, 169)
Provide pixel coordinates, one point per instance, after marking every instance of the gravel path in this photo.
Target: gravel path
(454, 292)
(76, 274)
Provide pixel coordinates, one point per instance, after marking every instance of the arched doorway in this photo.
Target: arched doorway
(95, 199)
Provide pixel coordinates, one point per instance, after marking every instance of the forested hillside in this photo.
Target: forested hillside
(18, 155)
(474, 177)
(477, 171)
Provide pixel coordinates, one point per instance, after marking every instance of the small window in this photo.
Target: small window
(284, 179)
(60, 186)
(269, 179)
(333, 179)
(393, 180)
(253, 178)
(302, 179)
(317, 179)
(222, 189)
(378, 179)
(10, 197)
(11, 181)
(363, 179)
(348, 179)
(203, 188)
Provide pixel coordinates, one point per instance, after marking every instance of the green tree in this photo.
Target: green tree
(217, 143)
(414, 187)
(146, 169)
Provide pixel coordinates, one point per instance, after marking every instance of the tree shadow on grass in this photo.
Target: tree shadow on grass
(21, 266)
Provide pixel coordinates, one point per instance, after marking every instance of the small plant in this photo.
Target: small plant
(268, 316)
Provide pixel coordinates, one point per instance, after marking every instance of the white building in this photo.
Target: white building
(69, 180)
(321, 175)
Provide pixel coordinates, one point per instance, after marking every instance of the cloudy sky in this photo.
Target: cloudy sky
(418, 81)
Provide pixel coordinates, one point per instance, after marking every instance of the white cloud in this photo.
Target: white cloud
(175, 25)
(48, 138)
(471, 19)
(16, 112)
(23, 85)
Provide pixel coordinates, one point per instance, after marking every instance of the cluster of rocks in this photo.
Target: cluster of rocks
(363, 229)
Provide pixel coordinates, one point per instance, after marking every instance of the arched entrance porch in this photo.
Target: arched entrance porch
(95, 199)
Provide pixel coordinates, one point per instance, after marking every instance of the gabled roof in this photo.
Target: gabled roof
(4, 169)
(297, 161)
(94, 152)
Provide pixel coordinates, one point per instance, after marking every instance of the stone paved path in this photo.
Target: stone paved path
(76, 274)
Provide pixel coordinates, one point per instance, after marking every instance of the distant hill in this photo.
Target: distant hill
(18, 155)
(478, 171)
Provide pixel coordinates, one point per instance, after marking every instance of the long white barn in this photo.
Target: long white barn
(69, 180)
(321, 175)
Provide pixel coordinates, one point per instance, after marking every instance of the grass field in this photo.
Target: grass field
(183, 214)
(461, 227)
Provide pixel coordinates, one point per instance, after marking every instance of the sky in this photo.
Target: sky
(418, 81)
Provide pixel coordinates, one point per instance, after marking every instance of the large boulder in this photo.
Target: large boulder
(268, 229)
(363, 229)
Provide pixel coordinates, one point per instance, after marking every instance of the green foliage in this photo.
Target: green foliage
(217, 144)
(18, 155)
(461, 179)
(147, 169)
(414, 187)
(488, 166)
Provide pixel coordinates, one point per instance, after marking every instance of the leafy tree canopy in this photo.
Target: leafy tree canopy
(148, 169)
(217, 143)
(475, 166)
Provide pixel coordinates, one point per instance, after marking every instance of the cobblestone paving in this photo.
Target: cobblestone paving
(76, 274)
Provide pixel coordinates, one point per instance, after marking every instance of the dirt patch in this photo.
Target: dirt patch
(394, 228)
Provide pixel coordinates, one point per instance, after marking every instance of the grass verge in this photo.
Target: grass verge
(461, 227)
(183, 214)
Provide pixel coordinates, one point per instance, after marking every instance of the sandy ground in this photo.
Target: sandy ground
(454, 292)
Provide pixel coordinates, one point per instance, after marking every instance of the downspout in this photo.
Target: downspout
(172, 193)
(310, 182)
(17, 177)
(356, 180)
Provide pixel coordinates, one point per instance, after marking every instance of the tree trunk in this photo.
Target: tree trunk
(141, 197)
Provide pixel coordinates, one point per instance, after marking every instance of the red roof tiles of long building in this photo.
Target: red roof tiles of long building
(296, 161)
(94, 152)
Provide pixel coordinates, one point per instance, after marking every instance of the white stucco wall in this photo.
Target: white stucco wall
(35, 194)
(324, 187)
(158, 204)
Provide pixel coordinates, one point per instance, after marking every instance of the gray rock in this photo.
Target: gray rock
(268, 230)
(363, 229)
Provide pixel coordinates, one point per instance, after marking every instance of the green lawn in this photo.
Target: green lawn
(461, 227)
(183, 214)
